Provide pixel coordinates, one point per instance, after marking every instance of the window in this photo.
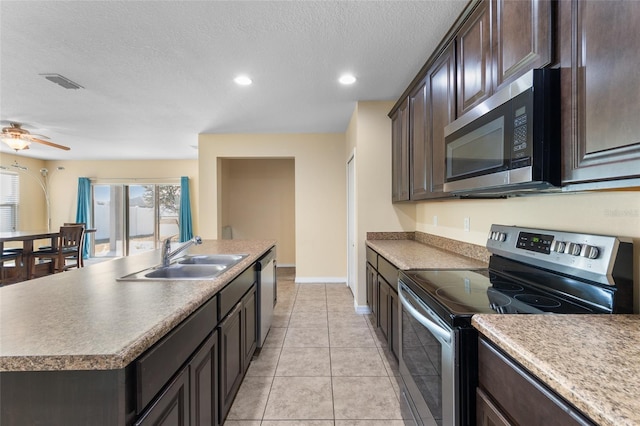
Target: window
(9, 197)
(133, 218)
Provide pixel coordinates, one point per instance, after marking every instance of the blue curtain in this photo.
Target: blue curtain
(84, 209)
(186, 228)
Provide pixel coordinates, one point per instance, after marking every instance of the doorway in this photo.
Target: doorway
(133, 218)
(257, 202)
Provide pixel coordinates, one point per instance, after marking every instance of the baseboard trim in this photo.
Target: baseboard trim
(317, 280)
(363, 309)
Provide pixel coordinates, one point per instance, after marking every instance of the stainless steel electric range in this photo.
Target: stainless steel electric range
(531, 271)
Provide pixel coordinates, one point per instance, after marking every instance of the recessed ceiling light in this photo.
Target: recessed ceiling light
(347, 79)
(242, 80)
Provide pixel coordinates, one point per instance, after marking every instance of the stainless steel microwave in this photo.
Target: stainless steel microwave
(509, 143)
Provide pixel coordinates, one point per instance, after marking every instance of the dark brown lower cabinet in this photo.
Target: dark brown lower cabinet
(231, 358)
(189, 377)
(382, 297)
(203, 383)
(487, 414)
(250, 326)
(172, 407)
(372, 292)
(394, 325)
(509, 394)
(383, 308)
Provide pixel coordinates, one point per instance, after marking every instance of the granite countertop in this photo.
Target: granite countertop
(84, 319)
(409, 254)
(592, 361)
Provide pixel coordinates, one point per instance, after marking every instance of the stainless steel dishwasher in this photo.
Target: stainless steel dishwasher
(266, 272)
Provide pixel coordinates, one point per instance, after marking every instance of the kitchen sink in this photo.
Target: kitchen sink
(194, 267)
(212, 259)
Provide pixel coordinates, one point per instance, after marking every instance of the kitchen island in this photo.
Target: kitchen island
(86, 323)
(591, 361)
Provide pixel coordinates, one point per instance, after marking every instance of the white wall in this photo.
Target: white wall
(320, 193)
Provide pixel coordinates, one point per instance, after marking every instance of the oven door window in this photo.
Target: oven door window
(428, 358)
(422, 354)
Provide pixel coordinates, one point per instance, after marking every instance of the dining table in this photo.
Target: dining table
(27, 238)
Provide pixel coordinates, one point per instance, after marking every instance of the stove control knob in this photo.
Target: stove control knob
(501, 236)
(558, 246)
(573, 249)
(590, 252)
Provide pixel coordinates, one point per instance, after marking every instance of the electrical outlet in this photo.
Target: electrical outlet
(467, 224)
(435, 220)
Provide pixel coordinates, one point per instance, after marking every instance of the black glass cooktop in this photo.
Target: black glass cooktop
(468, 292)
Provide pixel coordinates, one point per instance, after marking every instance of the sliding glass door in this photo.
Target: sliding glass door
(130, 219)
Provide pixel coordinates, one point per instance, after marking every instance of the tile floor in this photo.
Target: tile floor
(321, 365)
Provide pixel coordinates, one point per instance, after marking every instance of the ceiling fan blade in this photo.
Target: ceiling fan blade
(55, 145)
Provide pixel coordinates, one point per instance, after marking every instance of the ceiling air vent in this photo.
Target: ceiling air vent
(62, 81)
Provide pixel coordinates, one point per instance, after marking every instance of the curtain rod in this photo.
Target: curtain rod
(136, 179)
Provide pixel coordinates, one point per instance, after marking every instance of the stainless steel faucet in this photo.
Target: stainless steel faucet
(167, 254)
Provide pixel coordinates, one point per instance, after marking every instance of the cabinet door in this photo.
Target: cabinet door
(371, 292)
(383, 309)
(442, 104)
(400, 153)
(394, 324)
(419, 143)
(602, 102)
(203, 383)
(172, 407)
(231, 358)
(521, 34)
(488, 414)
(474, 58)
(250, 326)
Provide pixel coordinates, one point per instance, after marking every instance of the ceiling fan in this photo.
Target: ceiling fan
(18, 138)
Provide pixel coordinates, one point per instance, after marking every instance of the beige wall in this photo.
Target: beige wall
(64, 183)
(32, 213)
(369, 137)
(258, 202)
(610, 213)
(320, 193)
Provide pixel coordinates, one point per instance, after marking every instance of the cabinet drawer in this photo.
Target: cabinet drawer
(519, 394)
(156, 366)
(388, 272)
(233, 292)
(372, 257)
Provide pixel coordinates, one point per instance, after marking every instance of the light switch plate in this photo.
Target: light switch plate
(467, 224)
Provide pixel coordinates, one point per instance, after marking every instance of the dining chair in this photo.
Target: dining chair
(84, 227)
(69, 247)
(11, 274)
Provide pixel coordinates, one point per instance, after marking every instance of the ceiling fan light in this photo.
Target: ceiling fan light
(15, 142)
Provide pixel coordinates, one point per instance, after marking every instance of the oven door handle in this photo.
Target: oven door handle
(438, 331)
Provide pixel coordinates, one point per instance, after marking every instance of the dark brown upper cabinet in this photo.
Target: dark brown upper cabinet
(522, 38)
(442, 105)
(419, 143)
(474, 63)
(400, 153)
(601, 91)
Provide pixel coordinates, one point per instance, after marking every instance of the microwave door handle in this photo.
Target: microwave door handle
(434, 328)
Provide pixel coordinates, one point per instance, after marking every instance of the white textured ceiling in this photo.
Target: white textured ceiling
(158, 73)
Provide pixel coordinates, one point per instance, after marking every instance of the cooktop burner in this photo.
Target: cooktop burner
(463, 293)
